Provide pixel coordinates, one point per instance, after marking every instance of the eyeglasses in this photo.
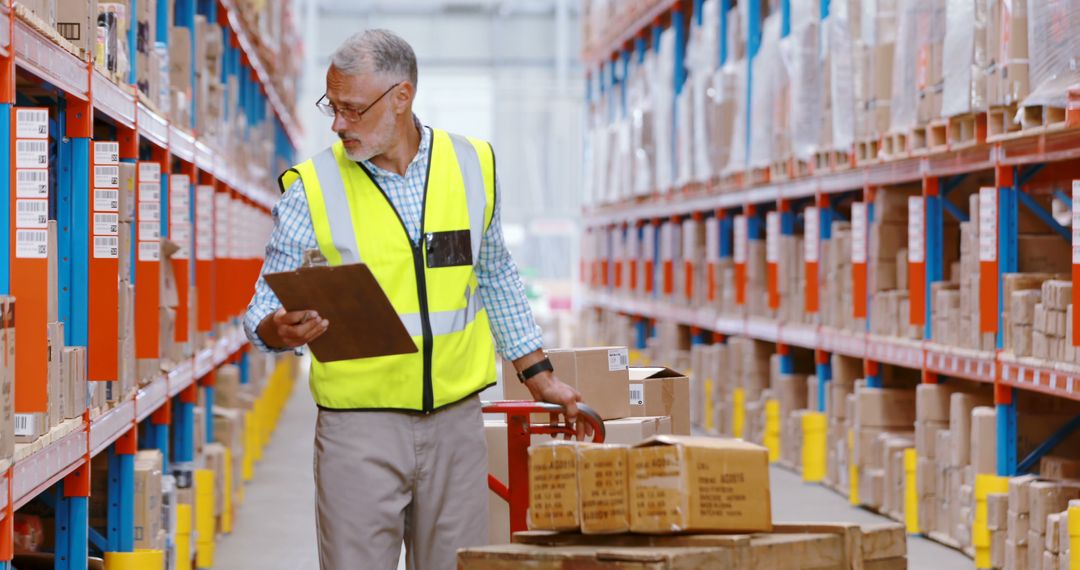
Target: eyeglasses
(349, 114)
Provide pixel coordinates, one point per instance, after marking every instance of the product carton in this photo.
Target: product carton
(603, 488)
(599, 374)
(696, 484)
(148, 465)
(553, 486)
(661, 392)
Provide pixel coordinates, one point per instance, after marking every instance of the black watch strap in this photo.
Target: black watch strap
(542, 366)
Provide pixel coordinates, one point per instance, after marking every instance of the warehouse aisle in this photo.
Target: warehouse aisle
(275, 530)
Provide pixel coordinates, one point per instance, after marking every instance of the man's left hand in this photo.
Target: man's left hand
(545, 387)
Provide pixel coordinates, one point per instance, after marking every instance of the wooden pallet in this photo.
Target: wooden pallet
(967, 130)
(937, 135)
(1042, 117)
(759, 176)
(895, 145)
(919, 141)
(867, 151)
(830, 160)
(1001, 122)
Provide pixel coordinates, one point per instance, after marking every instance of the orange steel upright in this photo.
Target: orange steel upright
(1076, 260)
(742, 246)
(859, 232)
(917, 251)
(180, 234)
(148, 257)
(224, 266)
(104, 263)
(988, 250)
(204, 253)
(712, 254)
(811, 253)
(772, 258)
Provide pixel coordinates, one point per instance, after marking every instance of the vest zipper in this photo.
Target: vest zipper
(425, 324)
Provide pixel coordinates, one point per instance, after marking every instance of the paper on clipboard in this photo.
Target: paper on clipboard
(363, 323)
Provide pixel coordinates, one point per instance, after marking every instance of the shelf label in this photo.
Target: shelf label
(106, 200)
(31, 154)
(712, 240)
(1076, 222)
(648, 249)
(32, 123)
(741, 244)
(149, 231)
(32, 214)
(32, 183)
(689, 240)
(149, 212)
(31, 244)
(180, 234)
(106, 153)
(149, 191)
(811, 233)
(916, 230)
(149, 172)
(106, 224)
(772, 237)
(106, 247)
(858, 232)
(106, 176)
(667, 245)
(988, 219)
(149, 251)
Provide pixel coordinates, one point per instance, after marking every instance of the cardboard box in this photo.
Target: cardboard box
(885, 407)
(984, 440)
(932, 402)
(600, 374)
(1048, 497)
(148, 464)
(697, 484)
(7, 377)
(1059, 468)
(604, 488)
(553, 486)
(661, 392)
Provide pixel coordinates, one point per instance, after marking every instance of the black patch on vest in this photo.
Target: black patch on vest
(449, 249)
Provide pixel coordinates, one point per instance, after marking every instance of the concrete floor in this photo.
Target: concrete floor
(275, 527)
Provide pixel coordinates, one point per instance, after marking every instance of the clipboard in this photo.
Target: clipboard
(363, 323)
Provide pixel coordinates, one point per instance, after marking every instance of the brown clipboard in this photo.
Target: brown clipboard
(363, 323)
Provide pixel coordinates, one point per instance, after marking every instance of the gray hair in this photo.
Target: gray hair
(376, 51)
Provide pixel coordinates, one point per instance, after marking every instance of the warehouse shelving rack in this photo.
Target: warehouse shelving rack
(85, 103)
(1014, 160)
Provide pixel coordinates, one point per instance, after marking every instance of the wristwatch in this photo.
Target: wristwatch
(542, 366)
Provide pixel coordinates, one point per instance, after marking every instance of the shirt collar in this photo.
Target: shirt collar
(421, 152)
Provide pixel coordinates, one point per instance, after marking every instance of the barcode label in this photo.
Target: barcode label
(106, 247)
(988, 224)
(712, 240)
(31, 244)
(858, 232)
(637, 394)
(180, 233)
(179, 200)
(772, 237)
(178, 216)
(149, 191)
(149, 212)
(618, 359)
(812, 233)
(916, 230)
(32, 184)
(149, 172)
(149, 251)
(106, 200)
(107, 176)
(31, 154)
(106, 153)
(741, 245)
(204, 251)
(106, 224)
(25, 425)
(149, 231)
(31, 214)
(31, 123)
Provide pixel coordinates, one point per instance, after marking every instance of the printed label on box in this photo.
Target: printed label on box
(25, 425)
(858, 232)
(772, 237)
(106, 200)
(987, 224)
(149, 192)
(32, 123)
(637, 394)
(149, 172)
(32, 184)
(149, 251)
(107, 176)
(618, 359)
(31, 213)
(741, 245)
(31, 154)
(106, 247)
(149, 231)
(149, 212)
(32, 244)
(106, 224)
(811, 233)
(106, 153)
(916, 230)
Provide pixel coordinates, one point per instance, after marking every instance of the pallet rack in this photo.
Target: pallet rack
(1015, 160)
(88, 106)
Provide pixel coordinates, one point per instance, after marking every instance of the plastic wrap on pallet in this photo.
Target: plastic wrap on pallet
(904, 91)
(804, 70)
(737, 157)
(723, 117)
(763, 88)
(641, 125)
(702, 59)
(966, 60)
(684, 136)
(662, 87)
(1053, 49)
(622, 158)
(841, 75)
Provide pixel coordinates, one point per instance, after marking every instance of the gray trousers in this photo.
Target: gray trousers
(387, 477)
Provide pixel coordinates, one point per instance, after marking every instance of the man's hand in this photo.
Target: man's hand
(291, 329)
(545, 387)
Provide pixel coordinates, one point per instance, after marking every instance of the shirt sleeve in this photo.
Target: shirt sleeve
(291, 236)
(512, 323)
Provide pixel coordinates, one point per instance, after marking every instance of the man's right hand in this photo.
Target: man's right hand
(284, 330)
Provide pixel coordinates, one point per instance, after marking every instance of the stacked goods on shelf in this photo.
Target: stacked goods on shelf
(837, 298)
(791, 280)
(1051, 62)
(966, 66)
(1023, 291)
(1052, 323)
(1008, 78)
(883, 421)
(917, 75)
(748, 378)
(873, 49)
(757, 291)
(890, 312)
(707, 368)
(845, 372)
(126, 380)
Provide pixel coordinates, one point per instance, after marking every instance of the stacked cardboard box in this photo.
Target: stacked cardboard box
(846, 371)
(880, 415)
(757, 296)
(1051, 325)
(1046, 499)
(931, 416)
(749, 379)
(791, 280)
(149, 533)
(1024, 294)
(837, 295)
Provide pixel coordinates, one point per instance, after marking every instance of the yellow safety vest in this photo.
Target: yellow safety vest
(355, 222)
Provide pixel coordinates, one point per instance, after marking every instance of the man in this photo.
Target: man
(400, 453)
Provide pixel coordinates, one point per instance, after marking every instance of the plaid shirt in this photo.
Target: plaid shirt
(516, 332)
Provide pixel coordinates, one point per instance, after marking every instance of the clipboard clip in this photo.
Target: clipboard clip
(314, 258)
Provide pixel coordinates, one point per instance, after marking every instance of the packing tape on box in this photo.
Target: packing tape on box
(911, 492)
(814, 446)
(738, 415)
(138, 560)
(772, 429)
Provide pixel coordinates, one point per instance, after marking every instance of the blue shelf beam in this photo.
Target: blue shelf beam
(1032, 460)
(1044, 216)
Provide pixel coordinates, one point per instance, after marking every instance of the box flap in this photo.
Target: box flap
(640, 373)
(698, 441)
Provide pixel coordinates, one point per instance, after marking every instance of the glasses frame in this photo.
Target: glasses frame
(347, 113)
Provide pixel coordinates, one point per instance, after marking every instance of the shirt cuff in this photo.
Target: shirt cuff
(526, 345)
(255, 315)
